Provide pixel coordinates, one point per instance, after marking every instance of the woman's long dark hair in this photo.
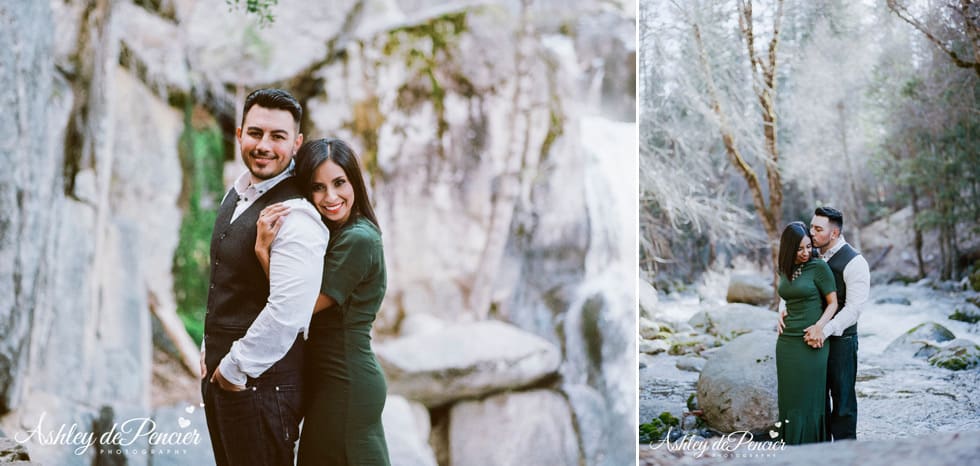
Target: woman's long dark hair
(313, 153)
(789, 242)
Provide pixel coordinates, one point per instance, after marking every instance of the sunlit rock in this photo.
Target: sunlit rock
(749, 289)
(737, 386)
(732, 320)
(465, 361)
(407, 428)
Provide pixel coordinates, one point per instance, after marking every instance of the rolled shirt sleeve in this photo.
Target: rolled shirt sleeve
(857, 280)
(295, 273)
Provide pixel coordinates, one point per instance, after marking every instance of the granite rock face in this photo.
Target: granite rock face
(513, 436)
(497, 174)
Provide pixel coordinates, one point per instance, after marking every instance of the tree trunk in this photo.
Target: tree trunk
(764, 86)
(918, 232)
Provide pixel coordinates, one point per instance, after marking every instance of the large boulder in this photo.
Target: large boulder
(737, 387)
(407, 431)
(532, 427)
(750, 289)
(465, 361)
(920, 340)
(890, 244)
(732, 320)
(958, 354)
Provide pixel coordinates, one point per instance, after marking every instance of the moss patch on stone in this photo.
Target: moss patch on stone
(428, 50)
(658, 427)
(965, 315)
(366, 123)
(959, 358)
(201, 151)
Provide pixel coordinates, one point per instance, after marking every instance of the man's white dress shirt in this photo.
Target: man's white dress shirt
(295, 273)
(857, 280)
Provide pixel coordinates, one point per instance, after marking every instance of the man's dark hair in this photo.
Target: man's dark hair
(276, 99)
(836, 218)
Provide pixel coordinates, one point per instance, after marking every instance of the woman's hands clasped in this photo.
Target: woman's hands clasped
(814, 335)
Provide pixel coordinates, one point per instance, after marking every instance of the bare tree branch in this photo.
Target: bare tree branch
(971, 25)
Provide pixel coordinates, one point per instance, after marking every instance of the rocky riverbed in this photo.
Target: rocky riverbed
(902, 394)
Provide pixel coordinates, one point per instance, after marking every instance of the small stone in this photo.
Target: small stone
(691, 363)
(901, 300)
(653, 346)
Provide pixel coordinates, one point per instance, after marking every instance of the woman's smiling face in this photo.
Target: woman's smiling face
(333, 195)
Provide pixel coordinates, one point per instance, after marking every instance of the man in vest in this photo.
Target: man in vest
(252, 354)
(853, 279)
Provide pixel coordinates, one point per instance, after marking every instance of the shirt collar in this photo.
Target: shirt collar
(840, 243)
(244, 181)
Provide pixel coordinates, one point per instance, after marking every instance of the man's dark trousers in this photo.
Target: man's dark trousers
(260, 425)
(841, 417)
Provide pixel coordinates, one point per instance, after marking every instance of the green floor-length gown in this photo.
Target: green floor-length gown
(800, 369)
(346, 386)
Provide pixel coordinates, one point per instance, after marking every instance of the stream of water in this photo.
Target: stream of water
(898, 396)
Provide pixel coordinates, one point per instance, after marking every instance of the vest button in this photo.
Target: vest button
(212, 286)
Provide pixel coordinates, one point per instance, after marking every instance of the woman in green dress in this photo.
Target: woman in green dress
(801, 369)
(345, 385)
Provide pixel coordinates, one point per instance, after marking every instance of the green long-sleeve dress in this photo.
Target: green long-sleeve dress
(345, 384)
(800, 369)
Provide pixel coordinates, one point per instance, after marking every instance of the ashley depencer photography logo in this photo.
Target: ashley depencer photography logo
(134, 436)
(740, 444)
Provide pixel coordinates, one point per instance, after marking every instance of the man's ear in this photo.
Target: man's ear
(298, 143)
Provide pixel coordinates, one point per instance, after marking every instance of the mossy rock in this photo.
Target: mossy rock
(918, 340)
(966, 314)
(959, 354)
(932, 331)
(658, 427)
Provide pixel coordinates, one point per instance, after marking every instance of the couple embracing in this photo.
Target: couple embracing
(816, 351)
(297, 278)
